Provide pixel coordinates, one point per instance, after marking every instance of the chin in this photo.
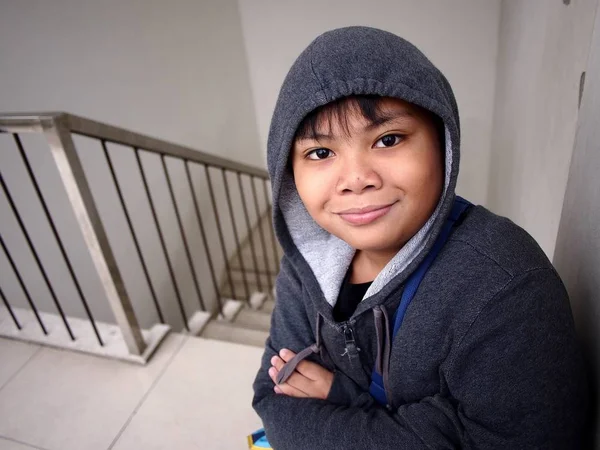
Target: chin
(373, 246)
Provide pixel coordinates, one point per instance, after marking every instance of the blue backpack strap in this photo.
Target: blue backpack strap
(376, 389)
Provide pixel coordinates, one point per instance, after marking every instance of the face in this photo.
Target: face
(372, 185)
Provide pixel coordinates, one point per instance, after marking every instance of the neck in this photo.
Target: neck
(367, 265)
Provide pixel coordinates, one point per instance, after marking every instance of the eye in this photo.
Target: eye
(388, 140)
(319, 153)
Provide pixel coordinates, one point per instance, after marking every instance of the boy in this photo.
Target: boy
(363, 156)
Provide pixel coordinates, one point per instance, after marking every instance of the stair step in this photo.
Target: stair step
(257, 320)
(268, 306)
(258, 276)
(257, 300)
(229, 332)
(231, 308)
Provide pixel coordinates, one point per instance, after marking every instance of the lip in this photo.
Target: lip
(366, 215)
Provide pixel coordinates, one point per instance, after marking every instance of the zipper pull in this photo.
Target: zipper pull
(351, 349)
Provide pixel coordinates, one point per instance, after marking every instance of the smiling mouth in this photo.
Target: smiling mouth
(364, 216)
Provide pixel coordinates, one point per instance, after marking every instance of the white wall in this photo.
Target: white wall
(577, 256)
(460, 37)
(176, 70)
(543, 50)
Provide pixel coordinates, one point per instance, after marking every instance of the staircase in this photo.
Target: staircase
(247, 320)
(246, 325)
(150, 236)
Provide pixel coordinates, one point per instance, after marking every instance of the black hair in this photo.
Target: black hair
(338, 111)
(368, 106)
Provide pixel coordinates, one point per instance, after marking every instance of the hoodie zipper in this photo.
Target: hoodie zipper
(351, 350)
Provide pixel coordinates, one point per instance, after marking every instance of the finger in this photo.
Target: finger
(277, 362)
(286, 354)
(296, 380)
(287, 388)
(273, 374)
(308, 369)
(300, 382)
(290, 390)
(312, 371)
(317, 388)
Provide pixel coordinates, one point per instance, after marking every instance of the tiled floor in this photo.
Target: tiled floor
(195, 393)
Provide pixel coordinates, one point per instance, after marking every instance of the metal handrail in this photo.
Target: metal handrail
(58, 128)
(34, 122)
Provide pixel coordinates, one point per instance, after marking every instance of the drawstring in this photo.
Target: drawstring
(386, 356)
(289, 367)
(382, 362)
(378, 332)
(384, 344)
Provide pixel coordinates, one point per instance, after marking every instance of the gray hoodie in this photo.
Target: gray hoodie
(486, 356)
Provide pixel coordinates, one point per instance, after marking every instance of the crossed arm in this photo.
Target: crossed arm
(309, 380)
(529, 394)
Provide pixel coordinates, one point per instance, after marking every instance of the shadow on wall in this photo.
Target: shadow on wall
(577, 256)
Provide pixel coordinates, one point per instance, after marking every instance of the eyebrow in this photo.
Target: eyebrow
(388, 118)
(383, 119)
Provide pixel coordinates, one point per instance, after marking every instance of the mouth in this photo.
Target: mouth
(364, 216)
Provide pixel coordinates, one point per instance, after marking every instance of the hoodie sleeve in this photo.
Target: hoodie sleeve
(292, 329)
(515, 378)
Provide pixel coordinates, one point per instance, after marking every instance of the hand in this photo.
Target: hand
(309, 380)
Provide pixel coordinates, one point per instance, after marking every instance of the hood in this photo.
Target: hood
(339, 63)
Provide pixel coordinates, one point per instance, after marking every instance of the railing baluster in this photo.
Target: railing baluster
(271, 231)
(249, 228)
(70, 169)
(204, 240)
(57, 238)
(36, 257)
(220, 231)
(10, 311)
(261, 235)
(183, 237)
(23, 287)
(58, 130)
(132, 231)
(235, 234)
(161, 239)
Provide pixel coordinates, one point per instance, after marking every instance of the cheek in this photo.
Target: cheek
(435, 173)
(425, 172)
(312, 188)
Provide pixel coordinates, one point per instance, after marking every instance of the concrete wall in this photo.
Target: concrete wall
(175, 70)
(577, 256)
(202, 74)
(543, 51)
(205, 74)
(460, 37)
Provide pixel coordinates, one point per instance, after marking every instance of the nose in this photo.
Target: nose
(357, 174)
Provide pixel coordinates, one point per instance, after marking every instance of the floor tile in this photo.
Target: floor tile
(202, 401)
(6, 444)
(63, 400)
(14, 355)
